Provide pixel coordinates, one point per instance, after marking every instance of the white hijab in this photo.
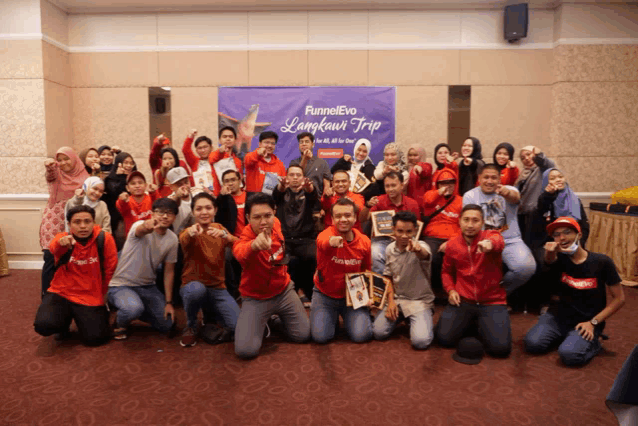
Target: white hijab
(356, 165)
(88, 184)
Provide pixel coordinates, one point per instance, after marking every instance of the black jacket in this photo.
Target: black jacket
(227, 211)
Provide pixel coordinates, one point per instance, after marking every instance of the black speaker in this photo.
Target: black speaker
(160, 106)
(516, 22)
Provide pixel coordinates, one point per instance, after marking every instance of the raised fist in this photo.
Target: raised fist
(418, 169)
(262, 242)
(373, 201)
(485, 246)
(192, 134)
(552, 247)
(79, 192)
(124, 196)
(261, 151)
(49, 163)
(152, 187)
(96, 167)
(115, 149)
(347, 157)
(308, 154)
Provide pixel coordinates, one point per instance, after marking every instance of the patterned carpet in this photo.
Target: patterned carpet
(151, 380)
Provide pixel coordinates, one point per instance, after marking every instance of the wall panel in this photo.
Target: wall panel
(337, 68)
(114, 69)
(413, 67)
(499, 67)
(278, 68)
(203, 68)
(20, 59)
(22, 120)
(421, 116)
(194, 108)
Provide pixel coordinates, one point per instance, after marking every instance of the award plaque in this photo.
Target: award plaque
(379, 286)
(382, 223)
(360, 182)
(357, 290)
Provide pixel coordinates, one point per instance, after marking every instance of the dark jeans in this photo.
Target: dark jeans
(303, 263)
(232, 270)
(492, 322)
(437, 261)
(48, 270)
(56, 313)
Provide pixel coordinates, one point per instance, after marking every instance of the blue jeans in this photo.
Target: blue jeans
(573, 349)
(196, 296)
(324, 315)
(492, 321)
(421, 327)
(145, 303)
(379, 244)
(520, 262)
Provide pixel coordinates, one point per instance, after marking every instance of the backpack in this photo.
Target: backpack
(100, 252)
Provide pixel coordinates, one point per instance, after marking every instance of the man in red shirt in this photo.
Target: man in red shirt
(341, 249)
(227, 136)
(265, 287)
(472, 276)
(263, 168)
(79, 286)
(341, 189)
(393, 199)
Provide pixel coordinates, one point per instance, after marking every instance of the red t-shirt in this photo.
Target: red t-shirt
(257, 167)
(333, 263)
(407, 204)
(132, 211)
(240, 201)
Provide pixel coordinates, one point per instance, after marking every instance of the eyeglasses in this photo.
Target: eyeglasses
(566, 232)
(163, 213)
(230, 180)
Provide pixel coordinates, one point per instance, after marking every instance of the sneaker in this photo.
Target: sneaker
(120, 333)
(188, 338)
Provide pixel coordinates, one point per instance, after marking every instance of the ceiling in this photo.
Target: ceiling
(105, 6)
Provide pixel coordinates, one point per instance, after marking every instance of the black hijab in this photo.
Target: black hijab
(105, 167)
(436, 149)
(510, 151)
(119, 159)
(476, 149)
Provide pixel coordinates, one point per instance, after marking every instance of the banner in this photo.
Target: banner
(336, 116)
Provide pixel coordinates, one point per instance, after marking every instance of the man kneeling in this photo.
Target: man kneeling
(471, 275)
(407, 262)
(581, 279)
(266, 288)
(80, 282)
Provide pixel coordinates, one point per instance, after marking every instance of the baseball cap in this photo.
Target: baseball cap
(133, 174)
(563, 222)
(176, 174)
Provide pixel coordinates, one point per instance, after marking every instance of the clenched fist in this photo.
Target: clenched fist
(552, 247)
(124, 196)
(262, 242)
(485, 246)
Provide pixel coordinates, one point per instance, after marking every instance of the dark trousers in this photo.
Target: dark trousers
(303, 263)
(48, 270)
(56, 313)
(232, 270)
(492, 322)
(437, 262)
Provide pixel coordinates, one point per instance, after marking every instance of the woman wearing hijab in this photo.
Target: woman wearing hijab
(530, 186)
(559, 200)
(115, 184)
(107, 156)
(393, 161)
(470, 165)
(420, 173)
(444, 159)
(91, 160)
(504, 160)
(89, 195)
(359, 162)
(63, 175)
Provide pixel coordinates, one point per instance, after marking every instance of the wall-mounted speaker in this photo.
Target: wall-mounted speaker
(160, 105)
(516, 22)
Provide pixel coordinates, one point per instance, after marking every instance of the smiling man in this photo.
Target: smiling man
(500, 207)
(263, 168)
(314, 168)
(581, 279)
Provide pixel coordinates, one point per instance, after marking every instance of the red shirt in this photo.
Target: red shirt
(419, 183)
(132, 211)
(407, 204)
(80, 280)
(509, 175)
(475, 276)
(257, 167)
(328, 202)
(216, 156)
(155, 161)
(261, 277)
(240, 201)
(333, 263)
(444, 225)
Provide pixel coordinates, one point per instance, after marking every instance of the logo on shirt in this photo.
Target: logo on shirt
(447, 213)
(579, 283)
(494, 213)
(339, 261)
(88, 261)
(275, 255)
(144, 215)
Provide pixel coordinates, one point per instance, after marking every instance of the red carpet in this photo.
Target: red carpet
(151, 380)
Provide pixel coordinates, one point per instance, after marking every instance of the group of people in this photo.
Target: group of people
(250, 244)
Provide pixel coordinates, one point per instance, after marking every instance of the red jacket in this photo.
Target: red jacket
(449, 166)
(256, 168)
(216, 156)
(333, 263)
(475, 276)
(189, 156)
(445, 224)
(509, 175)
(80, 280)
(132, 211)
(261, 277)
(419, 183)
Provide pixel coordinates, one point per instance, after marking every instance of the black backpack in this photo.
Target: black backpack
(100, 252)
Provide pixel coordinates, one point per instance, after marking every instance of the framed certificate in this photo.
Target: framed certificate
(379, 286)
(382, 223)
(357, 290)
(359, 182)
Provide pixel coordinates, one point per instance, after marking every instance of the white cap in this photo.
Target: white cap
(176, 174)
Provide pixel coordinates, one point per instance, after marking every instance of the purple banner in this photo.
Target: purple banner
(337, 116)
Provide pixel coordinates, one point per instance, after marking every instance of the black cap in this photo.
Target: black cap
(469, 351)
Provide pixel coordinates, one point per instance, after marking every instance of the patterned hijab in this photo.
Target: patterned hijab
(401, 163)
(64, 185)
(566, 202)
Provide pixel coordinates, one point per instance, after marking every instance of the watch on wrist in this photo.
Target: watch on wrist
(594, 321)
